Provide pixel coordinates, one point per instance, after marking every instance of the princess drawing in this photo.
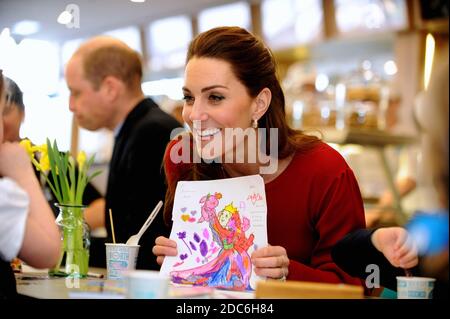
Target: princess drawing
(231, 268)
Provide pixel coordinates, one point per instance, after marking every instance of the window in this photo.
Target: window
(34, 66)
(68, 49)
(47, 117)
(370, 15)
(235, 14)
(287, 23)
(129, 35)
(100, 143)
(169, 39)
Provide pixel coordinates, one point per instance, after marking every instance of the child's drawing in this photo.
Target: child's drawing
(215, 250)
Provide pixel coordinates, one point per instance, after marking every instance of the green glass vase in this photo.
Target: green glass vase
(75, 242)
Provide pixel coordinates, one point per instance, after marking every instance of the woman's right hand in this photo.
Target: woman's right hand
(14, 162)
(164, 247)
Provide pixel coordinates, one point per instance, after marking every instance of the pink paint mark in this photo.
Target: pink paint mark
(206, 233)
(245, 224)
(178, 264)
(197, 259)
(191, 220)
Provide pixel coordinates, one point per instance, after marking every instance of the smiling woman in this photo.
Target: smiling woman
(226, 104)
(312, 195)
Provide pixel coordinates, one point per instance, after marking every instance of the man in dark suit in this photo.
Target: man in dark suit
(104, 78)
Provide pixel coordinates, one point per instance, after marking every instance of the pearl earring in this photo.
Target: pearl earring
(255, 123)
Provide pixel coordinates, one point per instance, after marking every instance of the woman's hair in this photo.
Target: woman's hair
(1, 85)
(254, 66)
(2, 88)
(14, 95)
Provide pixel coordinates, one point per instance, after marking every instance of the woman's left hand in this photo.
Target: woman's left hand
(271, 262)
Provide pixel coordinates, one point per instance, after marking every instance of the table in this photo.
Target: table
(37, 284)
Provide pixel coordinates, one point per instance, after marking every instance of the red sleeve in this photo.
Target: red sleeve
(176, 168)
(340, 212)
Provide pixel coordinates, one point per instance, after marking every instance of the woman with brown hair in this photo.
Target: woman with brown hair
(312, 195)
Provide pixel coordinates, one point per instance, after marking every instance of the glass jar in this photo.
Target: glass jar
(75, 242)
(366, 98)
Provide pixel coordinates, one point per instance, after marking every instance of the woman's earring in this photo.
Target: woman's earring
(255, 123)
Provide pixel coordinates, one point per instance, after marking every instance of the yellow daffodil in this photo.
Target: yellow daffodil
(66, 185)
(26, 144)
(81, 159)
(44, 163)
(41, 149)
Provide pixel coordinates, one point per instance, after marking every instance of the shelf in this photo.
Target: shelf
(365, 137)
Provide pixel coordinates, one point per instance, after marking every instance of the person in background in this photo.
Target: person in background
(312, 196)
(432, 117)
(423, 243)
(389, 248)
(27, 226)
(104, 78)
(13, 117)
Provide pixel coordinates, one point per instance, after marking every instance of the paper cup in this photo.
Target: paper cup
(120, 258)
(415, 287)
(147, 284)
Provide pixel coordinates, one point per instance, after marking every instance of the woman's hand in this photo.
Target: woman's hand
(164, 247)
(14, 162)
(396, 246)
(271, 262)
